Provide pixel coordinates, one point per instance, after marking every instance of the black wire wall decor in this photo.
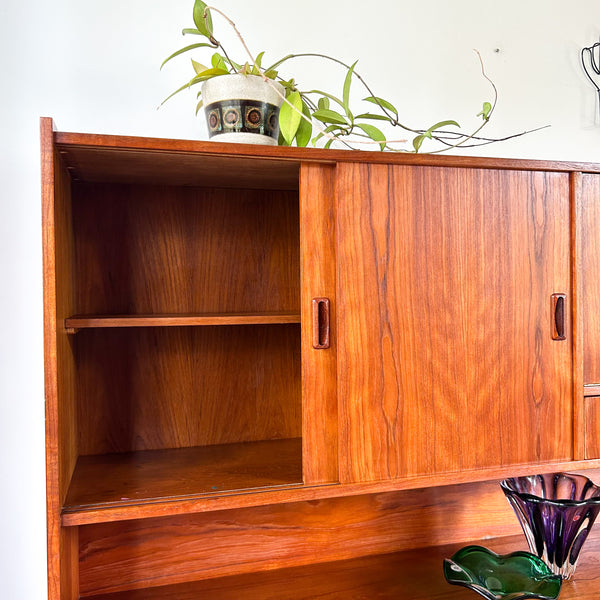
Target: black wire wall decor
(590, 59)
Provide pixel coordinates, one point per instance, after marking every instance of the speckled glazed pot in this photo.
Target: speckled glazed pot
(242, 109)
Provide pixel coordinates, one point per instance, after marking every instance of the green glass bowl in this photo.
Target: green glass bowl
(514, 576)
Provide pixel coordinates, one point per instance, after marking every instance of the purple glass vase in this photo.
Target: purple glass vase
(556, 512)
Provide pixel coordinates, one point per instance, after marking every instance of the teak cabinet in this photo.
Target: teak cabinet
(256, 356)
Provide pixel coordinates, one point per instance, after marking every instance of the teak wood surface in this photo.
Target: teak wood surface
(445, 281)
(165, 249)
(144, 553)
(138, 477)
(409, 575)
(590, 269)
(153, 388)
(187, 271)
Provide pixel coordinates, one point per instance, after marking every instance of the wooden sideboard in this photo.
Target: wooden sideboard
(267, 363)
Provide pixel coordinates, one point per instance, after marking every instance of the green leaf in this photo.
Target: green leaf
(198, 67)
(346, 93)
(485, 112)
(442, 124)
(323, 102)
(191, 31)
(288, 85)
(259, 60)
(382, 102)
(193, 81)
(236, 67)
(289, 119)
(205, 26)
(374, 133)
(326, 95)
(208, 74)
(327, 115)
(199, 106)
(198, 79)
(304, 128)
(218, 62)
(418, 140)
(371, 116)
(271, 73)
(191, 47)
(183, 87)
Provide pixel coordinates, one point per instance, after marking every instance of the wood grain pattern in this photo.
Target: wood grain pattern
(409, 575)
(61, 443)
(592, 426)
(269, 318)
(575, 183)
(167, 507)
(121, 165)
(319, 385)
(133, 478)
(590, 268)
(160, 551)
(157, 250)
(82, 149)
(444, 285)
(173, 387)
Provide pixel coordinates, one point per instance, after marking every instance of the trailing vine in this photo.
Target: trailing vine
(309, 116)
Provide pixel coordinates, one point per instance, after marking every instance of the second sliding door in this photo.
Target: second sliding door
(453, 286)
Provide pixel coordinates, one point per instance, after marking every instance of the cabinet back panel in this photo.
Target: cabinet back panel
(151, 552)
(165, 249)
(174, 387)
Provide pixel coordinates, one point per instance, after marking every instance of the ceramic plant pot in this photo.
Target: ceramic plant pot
(556, 512)
(242, 109)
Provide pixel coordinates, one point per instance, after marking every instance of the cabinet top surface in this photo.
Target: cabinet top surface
(84, 153)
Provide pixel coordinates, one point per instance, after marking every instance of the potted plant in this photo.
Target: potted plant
(243, 99)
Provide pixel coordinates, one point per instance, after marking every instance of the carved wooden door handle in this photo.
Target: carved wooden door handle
(320, 319)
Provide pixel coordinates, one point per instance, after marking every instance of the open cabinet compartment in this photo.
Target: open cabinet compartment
(182, 325)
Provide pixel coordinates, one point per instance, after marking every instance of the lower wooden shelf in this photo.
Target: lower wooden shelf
(410, 575)
(136, 478)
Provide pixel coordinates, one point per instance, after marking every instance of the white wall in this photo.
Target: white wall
(93, 66)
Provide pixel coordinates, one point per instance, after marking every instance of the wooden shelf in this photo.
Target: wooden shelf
(131, 479)
(410, 575)
(99, 321)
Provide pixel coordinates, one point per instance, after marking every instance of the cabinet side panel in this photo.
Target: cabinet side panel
(590, 274)
(447, 360)
(152, 552)
(61, 443)
(319, 385)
